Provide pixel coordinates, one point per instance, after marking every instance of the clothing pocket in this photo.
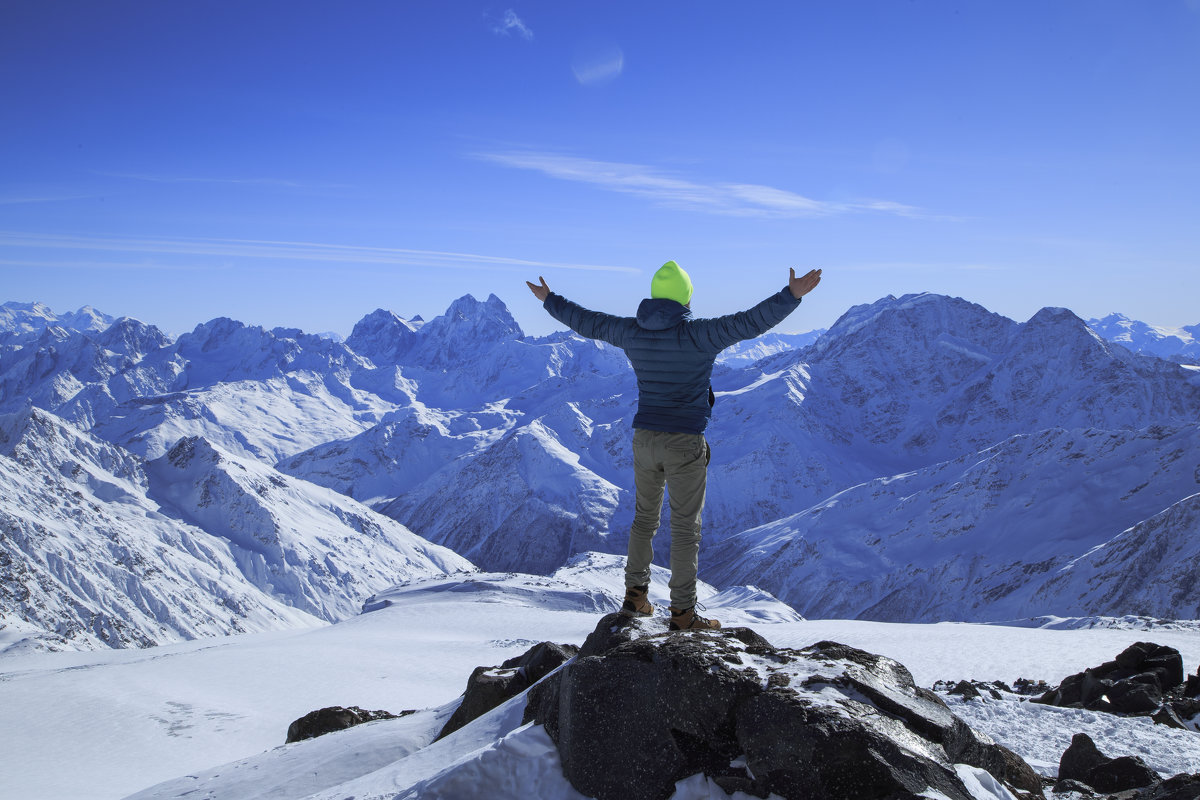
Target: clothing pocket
(688, 446)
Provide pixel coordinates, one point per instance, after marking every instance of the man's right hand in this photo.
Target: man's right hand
(802, 285)
(540, 292)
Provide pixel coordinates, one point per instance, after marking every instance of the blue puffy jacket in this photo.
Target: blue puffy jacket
(672, 353)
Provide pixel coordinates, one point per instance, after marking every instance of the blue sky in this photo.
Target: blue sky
(302, 163)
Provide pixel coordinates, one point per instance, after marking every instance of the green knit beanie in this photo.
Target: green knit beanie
(672, 283)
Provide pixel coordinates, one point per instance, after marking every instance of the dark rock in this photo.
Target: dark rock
(963, 746)
(1192, 688)
(1167, 716)
(1137, 681)
(641, 708)
(1027, 686)
(334, 718)
(1186, 708)
(1080, 758)
(1093, 689)
(965, 690)
(488, 687)
(1084, 762)
(1119, 774)
(1165, 662)
(1180, 787)
(1131, 697)
(1065, 785)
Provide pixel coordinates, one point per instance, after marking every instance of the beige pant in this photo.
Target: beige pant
(678, 462)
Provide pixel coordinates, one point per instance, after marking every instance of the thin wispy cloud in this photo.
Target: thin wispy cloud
(27, 199)
(269, 182)
(511, 24)
(732, 199)
(280, 251)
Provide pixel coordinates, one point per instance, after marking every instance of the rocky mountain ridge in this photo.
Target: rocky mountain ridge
(950, 461)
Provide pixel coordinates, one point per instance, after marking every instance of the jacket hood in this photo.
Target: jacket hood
(659, 313)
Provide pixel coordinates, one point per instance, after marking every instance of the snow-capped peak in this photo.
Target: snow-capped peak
(383, 337)
(24, 318)
(489, 320)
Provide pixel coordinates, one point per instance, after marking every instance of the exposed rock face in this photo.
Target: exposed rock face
(641, 708)
(1180, 787)
(334, 718)
(488, 687)
(1144, 679)
(1084, 762)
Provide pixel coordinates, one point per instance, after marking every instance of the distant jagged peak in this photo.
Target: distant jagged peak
(221, 328)
(383, 336)
(132, 337)
(1142, 337)
(382, 319)
(87, 318)
(1117, 325)
(490, 319)
(225, 349)
(216, 329)
(37, 316)
(36, 307)
(1061, 329)
(920, 316)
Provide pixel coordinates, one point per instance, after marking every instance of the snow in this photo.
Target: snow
(981, 784)
(924, 459)
(1040, 734)
(209, 717)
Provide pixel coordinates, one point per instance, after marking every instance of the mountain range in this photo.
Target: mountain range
(922, 459)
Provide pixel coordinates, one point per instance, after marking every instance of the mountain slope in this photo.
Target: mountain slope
(311, 547)
(89, 561)
(976, 538)
(515, 451)
(101, 549)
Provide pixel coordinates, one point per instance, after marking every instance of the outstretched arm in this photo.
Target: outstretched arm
(724, 331)
(587, 323)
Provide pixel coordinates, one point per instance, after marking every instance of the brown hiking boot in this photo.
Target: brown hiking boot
(636, 604)
(689, 620)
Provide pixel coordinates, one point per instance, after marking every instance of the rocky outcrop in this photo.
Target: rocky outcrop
(641, 708)
(1145, 679)
(488, 687)
(334, 718)
(1083, 762)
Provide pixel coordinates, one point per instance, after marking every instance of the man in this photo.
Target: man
(672, 356)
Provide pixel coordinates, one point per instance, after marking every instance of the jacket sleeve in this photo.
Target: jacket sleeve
(722, 332)
(587, 323)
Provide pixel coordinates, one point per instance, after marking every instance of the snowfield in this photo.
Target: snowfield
(207, 719)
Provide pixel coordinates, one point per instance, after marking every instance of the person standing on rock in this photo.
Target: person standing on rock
(672, 356)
